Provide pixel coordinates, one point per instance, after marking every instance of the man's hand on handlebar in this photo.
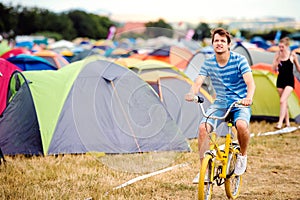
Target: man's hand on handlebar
(193, 98)
(189, 97)
(246, 101)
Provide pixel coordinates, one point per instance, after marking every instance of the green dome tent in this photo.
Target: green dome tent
(98, 106)
(266, 103)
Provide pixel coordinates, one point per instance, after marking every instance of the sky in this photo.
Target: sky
(172, 10)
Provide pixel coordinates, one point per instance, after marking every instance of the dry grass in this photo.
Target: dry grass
(273, 173)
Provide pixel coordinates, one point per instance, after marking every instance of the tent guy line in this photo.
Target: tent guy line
(281, 131)
(139, 178)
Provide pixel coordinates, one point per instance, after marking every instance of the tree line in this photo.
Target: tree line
(66, 25)
(69, 25)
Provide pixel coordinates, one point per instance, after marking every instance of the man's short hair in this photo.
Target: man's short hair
(222, 32)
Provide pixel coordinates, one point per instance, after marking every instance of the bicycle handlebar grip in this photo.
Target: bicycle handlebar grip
(198, 99)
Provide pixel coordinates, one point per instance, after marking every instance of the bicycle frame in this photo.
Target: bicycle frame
(220, 155)
(218, 162)
(210, 170)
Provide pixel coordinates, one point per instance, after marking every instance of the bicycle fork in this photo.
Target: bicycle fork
(220, 155)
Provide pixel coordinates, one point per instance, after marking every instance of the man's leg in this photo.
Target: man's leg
(203, 144)
(243, 135)
(203, 141)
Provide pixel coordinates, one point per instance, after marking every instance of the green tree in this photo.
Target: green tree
(246, 34)
(202, 31)
(89, 25)
(102, 25)
(81, 23)
(159, 28)
(61, 24)
(27, 21)
(8, 18)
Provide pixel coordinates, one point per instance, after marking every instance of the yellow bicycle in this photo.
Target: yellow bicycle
(219, 162)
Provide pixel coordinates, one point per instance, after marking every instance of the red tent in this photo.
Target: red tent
(6, 70)
(14, 52)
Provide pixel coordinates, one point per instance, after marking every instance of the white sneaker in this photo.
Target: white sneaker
(196, 179)
(241, 165)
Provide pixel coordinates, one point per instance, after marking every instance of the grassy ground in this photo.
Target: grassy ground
(273, 173)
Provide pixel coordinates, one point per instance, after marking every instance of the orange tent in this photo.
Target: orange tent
(180, 57)
(297, 50)
(273, 49)
(126, 62)
(54, 58)
(174, 55)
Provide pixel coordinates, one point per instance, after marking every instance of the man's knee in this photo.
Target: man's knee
(204, 129)
(241, 125)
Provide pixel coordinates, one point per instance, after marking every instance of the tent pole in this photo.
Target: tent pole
(126, 117)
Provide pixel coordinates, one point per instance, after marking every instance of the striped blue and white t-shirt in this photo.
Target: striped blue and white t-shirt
(228, 80)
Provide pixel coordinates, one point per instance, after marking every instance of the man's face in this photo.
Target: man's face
(220, 44)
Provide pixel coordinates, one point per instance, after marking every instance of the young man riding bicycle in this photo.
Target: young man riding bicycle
(232, 79)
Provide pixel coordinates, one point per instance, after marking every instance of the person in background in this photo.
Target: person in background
(283, 62)
(232, 80)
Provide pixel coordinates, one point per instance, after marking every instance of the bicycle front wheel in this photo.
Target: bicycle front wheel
(205, 185)
(233, 182)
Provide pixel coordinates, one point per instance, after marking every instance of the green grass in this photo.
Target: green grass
(273, 173)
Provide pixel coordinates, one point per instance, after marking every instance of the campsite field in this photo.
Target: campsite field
(273, 173)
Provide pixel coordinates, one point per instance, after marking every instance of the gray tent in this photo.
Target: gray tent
(97, 105)
(241, 49)
(193, 68)
(171, 89)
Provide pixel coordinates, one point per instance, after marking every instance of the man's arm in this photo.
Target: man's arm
(195, 88)
(248, 78)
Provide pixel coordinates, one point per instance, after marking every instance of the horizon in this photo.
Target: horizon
(189, 11)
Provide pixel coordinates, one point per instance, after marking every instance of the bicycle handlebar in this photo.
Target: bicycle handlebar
(200, 100)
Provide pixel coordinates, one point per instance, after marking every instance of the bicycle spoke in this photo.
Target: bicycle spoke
(232, 182)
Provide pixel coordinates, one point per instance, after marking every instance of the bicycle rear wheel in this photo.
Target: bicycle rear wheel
(205, 185)
(233, 182)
